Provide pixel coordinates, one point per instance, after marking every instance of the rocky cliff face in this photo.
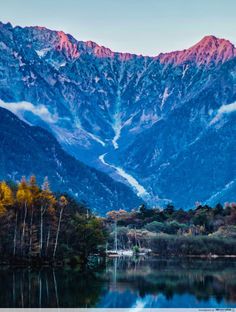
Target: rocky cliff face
(143, 120)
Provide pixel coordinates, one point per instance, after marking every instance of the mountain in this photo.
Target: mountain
(27, 150)
(209, 51)
(163, 125)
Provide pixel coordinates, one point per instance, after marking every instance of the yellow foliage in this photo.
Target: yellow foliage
(24, 195)
(6, 195)
(48, 199)
(2, 209)
(63, 201)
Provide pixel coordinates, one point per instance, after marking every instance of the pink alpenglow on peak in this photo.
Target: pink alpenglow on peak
(40, 27)
(99, 51)
(210, 50)
(64, 44)
(103, 52)
(127, 56)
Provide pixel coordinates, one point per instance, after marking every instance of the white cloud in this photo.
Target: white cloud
(224, 109)
(40, 110)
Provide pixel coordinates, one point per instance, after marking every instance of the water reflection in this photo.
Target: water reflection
(123, 283)
(24, 288)
(171, 283)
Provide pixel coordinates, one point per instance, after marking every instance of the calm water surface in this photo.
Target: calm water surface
(124, 283)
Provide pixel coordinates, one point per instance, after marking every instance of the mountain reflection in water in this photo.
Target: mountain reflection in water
(124, 283)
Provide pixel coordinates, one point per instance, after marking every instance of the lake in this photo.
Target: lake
(124, 283)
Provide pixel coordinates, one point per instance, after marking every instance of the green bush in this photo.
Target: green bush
(171, 227)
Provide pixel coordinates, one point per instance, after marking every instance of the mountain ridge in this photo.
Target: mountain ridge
(68, 41)
(98, 104)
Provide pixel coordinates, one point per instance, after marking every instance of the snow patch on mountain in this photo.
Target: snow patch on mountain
(95, 138)
(224, 109)
(132, 181)
(165, 96)
(219, 193)
(185, 70)
(140, 190)
(117, 129)
(42, 52)
(149, 117)
(117, 120)
(75, 136)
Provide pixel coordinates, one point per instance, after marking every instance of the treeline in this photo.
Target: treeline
(203, 230)
(38, 225)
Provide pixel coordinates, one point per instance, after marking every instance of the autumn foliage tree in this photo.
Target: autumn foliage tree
(37, 224)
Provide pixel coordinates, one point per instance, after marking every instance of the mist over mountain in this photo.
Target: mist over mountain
(163, 125)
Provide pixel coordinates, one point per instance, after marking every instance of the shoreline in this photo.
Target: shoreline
(213, 256)
(62, 263)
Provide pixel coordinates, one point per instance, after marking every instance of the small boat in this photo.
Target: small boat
(112, 253)
(119, 253)
(127, 253)
(141, 253)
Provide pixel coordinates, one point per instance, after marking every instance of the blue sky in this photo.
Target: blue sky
(145, 27)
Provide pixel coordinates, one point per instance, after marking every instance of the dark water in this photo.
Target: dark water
(124, 283)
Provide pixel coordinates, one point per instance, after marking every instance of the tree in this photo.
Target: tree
(47, 204)
(87, 236)
(169, 209)
(2, 209)
(6, 197)
(32, 222)
(24, 199)
(34, 189)
(218, 210)
(115, 215)
(6, 203)
(62, 204)
(231, 219)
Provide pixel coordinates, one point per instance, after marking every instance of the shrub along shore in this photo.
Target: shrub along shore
(200, 232)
